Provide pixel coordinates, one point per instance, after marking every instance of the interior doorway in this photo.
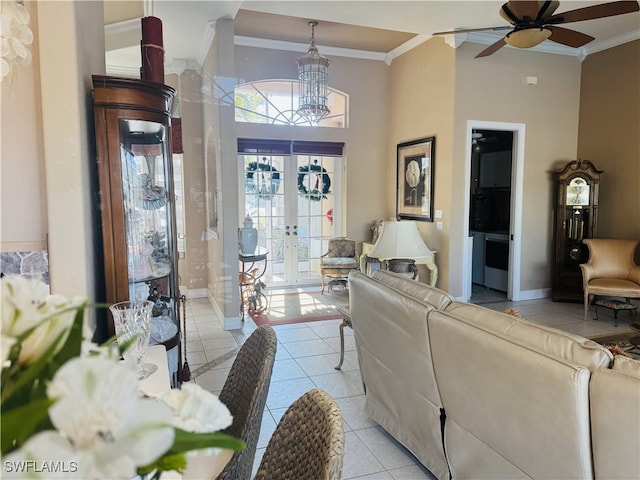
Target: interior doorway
(493, 209)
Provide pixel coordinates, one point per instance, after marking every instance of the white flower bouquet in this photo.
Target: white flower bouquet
(72, 409)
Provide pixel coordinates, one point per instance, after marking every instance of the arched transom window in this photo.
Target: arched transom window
(276, 102)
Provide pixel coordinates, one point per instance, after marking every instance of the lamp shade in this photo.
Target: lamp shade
(399, 239)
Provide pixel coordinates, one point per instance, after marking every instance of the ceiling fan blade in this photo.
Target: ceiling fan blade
(523, 8)
(568, 37)
(486, 29)
(492, 48)
(595, 11)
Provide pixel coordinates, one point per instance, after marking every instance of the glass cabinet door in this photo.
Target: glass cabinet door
(145, 188)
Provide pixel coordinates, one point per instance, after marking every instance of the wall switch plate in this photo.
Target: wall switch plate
(438, 213)
(439, 225)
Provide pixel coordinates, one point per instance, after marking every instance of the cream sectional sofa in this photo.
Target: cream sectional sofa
(478, 394)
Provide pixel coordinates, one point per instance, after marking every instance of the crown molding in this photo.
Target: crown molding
(547, 47)
(303, 47)
(405, 47)
(595, 47)
(206, 42)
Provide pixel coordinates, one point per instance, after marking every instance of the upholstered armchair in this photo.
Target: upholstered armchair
(611, 270)
(339, 260)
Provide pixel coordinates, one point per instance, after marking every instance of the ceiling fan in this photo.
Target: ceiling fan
(533, 22)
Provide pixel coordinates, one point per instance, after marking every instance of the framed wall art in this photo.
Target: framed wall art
(414, 199)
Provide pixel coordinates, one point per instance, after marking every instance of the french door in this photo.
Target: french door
(295, 201)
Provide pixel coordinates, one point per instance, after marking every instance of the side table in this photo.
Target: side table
(249, 274)
(346, 322)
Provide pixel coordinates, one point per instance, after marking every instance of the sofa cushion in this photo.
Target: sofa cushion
(567, 346)
(614, 396)
(420, 291)
(341, 261)
(627, 366)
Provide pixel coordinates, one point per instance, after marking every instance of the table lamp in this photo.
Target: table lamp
(399, 244)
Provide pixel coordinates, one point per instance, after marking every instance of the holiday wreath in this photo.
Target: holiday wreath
(321, 173)
(266, 191)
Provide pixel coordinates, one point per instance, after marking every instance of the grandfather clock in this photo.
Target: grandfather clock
(577, 186)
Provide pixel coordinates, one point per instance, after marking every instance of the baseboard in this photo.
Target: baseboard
(533, 294)
(524, 295)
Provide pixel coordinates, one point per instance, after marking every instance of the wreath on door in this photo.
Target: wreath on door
(321, 175)
(268, 188)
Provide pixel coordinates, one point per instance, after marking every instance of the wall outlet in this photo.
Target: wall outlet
(438, 213)
(439, 225)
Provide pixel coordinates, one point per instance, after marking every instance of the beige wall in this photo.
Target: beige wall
(192, 267)
(436, 90)
(493, 89)
(366, 156)
(609, 135)
(23, 191)
(422, 95)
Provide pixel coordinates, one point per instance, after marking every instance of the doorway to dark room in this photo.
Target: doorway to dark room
(490, 213)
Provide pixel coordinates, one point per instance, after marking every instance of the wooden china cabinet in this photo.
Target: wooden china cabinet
(137, 202)
(576, 187)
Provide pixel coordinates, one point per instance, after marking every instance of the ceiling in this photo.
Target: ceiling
(359, 28)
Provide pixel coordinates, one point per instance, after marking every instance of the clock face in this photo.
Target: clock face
(578, 192)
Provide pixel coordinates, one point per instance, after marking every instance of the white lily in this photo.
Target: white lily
(197, 410)
(26, 304)
(102, 420)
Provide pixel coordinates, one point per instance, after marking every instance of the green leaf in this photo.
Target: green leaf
(73, 346)
(20, 423)
(177, 462)
(22, 386)
(186, 441)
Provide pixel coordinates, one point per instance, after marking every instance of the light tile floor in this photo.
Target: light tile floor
(306, 356)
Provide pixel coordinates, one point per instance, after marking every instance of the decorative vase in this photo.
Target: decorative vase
(248, 237)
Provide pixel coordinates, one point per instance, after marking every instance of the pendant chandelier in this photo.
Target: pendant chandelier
(313, 82)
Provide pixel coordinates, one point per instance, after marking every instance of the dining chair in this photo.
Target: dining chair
(245, 394)
(308, 442)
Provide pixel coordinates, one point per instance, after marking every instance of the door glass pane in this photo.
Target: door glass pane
(316, 182)
(145, 176)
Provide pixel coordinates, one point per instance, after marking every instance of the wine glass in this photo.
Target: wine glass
(132, 320)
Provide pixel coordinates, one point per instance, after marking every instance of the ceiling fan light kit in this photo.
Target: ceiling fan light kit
(534, 22)
(527, 38)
